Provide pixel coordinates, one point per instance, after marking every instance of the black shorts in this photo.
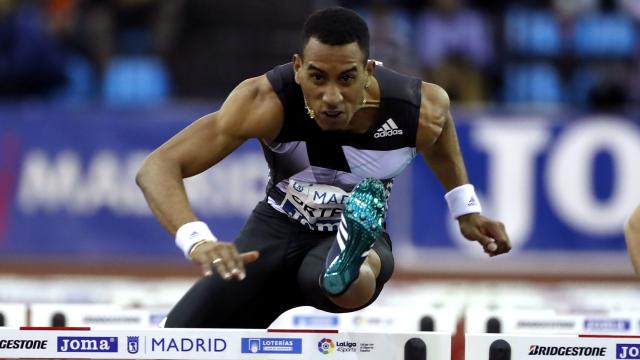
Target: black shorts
(285, 276)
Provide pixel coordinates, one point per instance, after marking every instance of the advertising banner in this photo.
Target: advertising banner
(221, 344)
(562, 184)
(500, 346)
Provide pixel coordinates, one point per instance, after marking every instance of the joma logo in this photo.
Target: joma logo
(87, 344)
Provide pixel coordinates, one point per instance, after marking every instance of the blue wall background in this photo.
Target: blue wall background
(561, 183)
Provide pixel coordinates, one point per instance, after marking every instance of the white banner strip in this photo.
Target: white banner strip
(547, 321)
(221, 344)
(531, 347)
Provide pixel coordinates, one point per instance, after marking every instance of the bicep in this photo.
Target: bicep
(200, 145)
(632, 226)
(435, 123)
(632, 238)
(250, 111)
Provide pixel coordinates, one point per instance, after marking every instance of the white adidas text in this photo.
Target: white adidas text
(389, 128)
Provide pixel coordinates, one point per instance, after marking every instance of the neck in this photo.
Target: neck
(365, 116)
(372, 94)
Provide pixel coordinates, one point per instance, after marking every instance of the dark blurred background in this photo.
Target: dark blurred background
(545, 96)
(571, 53)
(545, 100)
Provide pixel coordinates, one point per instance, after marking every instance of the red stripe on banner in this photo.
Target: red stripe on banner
(610, 336)
(302, 331)
(65, 328)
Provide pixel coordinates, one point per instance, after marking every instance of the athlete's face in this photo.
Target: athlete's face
(333, 80)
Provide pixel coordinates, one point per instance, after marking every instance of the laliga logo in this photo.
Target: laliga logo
(326, 346)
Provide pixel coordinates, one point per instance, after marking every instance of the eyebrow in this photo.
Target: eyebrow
(312, 67)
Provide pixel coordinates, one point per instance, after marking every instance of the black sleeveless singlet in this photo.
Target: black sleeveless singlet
(311, 171)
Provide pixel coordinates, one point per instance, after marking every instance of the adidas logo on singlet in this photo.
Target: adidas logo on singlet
(389, 128)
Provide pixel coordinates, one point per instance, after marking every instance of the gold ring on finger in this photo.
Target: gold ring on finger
(216, 261)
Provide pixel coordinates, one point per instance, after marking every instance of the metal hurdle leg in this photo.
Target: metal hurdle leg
(58, 319)
(494, 326)
(500, 350)
(415, 349)
(523, 347)
(427, 324)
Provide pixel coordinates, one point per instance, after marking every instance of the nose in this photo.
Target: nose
(332, 96)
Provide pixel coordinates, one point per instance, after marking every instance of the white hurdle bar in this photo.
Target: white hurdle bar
(521, 347)
(103, 316)
(13, 315)
(372, 318)
(546, 321)
(74, 343)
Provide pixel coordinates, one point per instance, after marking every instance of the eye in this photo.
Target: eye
(347, 78)
(317, 77)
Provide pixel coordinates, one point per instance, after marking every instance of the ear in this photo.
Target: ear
(369, 68)
(297, 65)
(371, 65)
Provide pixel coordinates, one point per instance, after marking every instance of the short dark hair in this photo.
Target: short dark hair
(337, 26)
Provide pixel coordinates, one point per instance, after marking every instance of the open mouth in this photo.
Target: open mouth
(332, 114)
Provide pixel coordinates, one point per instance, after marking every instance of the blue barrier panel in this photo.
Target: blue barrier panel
(557, 185)
(67, 182)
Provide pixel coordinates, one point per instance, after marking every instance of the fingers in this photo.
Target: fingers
(249, 257)
(492, 235)
(228, 263)
(223, 259)
(231, 263)
(488, 244)
(206, 270)
(497, 231)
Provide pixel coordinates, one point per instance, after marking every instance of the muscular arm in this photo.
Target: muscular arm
(632, 237)
(437, 141)
(252, 110)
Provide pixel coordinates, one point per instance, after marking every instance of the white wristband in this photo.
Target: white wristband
(191, 233)
(463, 200)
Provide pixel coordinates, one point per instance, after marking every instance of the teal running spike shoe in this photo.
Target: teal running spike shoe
(360, 226)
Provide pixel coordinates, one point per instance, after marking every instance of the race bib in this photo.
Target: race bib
(316, 206)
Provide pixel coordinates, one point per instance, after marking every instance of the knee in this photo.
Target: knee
(361, 291)
(374, 273)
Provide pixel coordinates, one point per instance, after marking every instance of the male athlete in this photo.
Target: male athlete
(632, 238)
(335, 129)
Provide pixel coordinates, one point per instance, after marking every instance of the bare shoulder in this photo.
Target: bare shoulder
(434, 112)
(255, 89)
(633, 222)
(253, 109)
(435, 99)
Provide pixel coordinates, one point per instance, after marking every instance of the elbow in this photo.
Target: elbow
(632, 239)
(141, 175)
(146, 169)
(632, 227)
(157, 166)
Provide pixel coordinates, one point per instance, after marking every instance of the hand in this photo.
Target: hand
(489, 233)
(223, 257)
